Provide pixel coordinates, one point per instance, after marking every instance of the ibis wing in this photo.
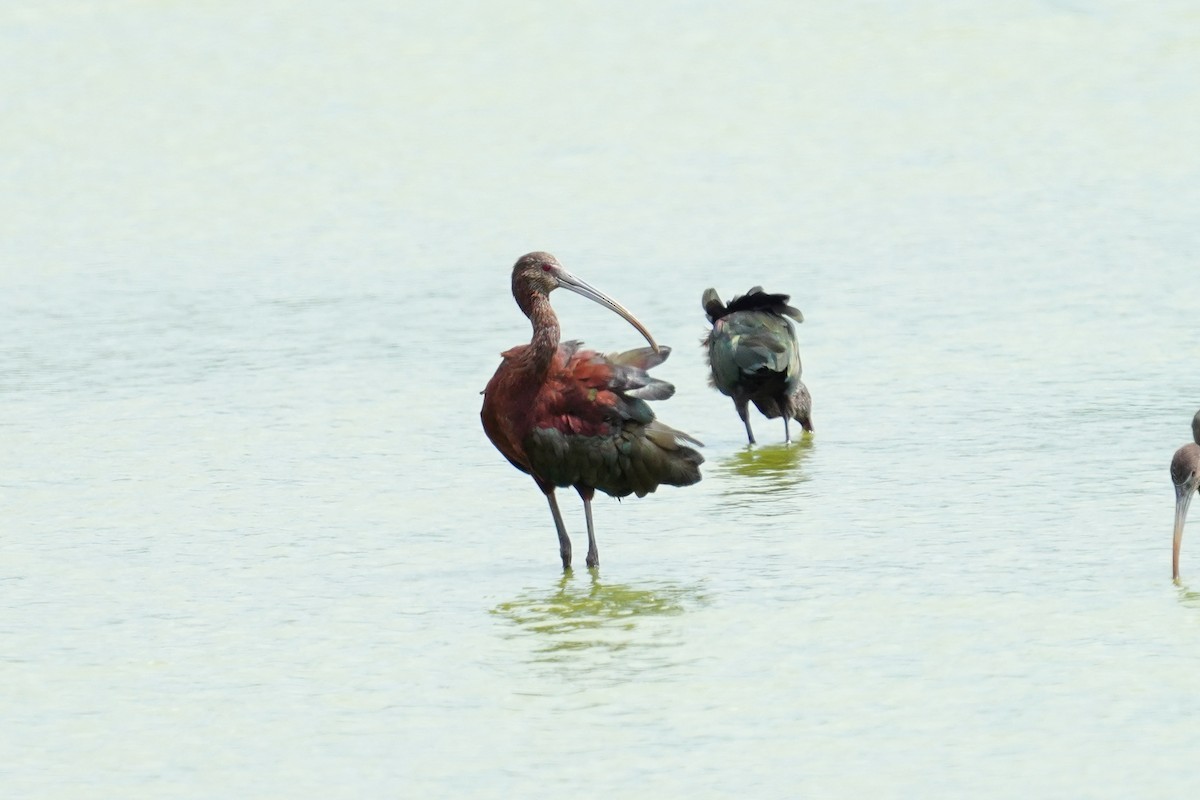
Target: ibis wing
(745, 345)
(754, 300)
(594, 394)
(595, 427)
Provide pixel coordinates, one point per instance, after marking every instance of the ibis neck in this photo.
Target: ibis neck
(544, 343)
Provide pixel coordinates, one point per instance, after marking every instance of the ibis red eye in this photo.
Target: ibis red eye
(546, 267)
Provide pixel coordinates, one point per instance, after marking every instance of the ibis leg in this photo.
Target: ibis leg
(593, 554)
(744, 412)
(787, 436)
(564, 541)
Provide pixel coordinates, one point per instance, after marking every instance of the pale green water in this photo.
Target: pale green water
(254, 271)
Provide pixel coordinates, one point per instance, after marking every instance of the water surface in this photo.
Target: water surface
(254, 272)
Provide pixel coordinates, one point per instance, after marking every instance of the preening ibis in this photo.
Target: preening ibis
(1185, 474)
(754, 357)
(573, 417)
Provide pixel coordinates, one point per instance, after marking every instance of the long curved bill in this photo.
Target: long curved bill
(1183, 498)
(578, 285)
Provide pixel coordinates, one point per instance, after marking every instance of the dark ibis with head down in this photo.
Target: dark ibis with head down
(568, 416)
(1185, 474)
(754, 356)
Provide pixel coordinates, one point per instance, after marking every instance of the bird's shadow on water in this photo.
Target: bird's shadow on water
(614, 630)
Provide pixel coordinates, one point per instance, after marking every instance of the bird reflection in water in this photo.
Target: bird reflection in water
(584, 613)
(764, 470)
(1189, 597)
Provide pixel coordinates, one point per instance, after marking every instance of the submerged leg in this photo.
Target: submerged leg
(743, 411)
(593, 554)
(564, 541)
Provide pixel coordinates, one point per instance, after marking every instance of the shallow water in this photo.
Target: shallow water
(254, 272)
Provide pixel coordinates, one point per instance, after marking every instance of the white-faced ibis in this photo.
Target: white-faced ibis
(573, 417)
(1185, 474)
(754, 357)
